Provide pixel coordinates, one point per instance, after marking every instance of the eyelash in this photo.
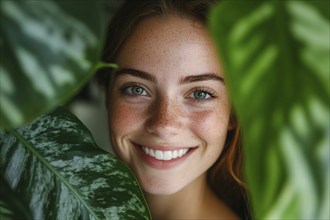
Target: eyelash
(125, 87)
(209, 92)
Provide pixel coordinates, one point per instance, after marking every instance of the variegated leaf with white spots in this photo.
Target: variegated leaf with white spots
(48, 51)
(276, 58)
(55, 167)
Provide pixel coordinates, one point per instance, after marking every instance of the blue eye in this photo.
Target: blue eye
(199, 94)
(202, 95)
(135, 91)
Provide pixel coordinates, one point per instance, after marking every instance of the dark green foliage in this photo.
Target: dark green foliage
(49, 49)
(55, 167)
(276, 57)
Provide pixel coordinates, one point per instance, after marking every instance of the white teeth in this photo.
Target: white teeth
(159, 155)
(146, 150)
(175, 154)
(165, 155)
(152, 152)
(180, 153)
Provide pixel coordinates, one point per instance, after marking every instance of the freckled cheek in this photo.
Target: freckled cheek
(210, 125)
(123, 118)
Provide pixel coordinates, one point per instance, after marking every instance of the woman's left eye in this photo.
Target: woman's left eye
(201, 95)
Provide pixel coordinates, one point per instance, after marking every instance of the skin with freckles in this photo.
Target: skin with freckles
(168, 94)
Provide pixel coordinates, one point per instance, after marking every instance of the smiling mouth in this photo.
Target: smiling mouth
(165, 155)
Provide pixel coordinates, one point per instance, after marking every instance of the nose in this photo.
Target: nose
(166, 117)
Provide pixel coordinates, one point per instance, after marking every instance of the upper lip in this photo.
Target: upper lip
(164, 147)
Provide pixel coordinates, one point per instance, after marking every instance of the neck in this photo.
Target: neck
(195, 201)
(182, 204)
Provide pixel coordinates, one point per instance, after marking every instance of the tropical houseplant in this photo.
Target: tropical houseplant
(276, 58)
(51, 168)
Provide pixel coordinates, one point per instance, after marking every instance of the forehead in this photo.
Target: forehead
(168, 28)
(167, 41)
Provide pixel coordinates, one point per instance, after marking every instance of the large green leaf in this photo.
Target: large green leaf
(48, 51)
(55, 167)
(11, 206)
(276, 58)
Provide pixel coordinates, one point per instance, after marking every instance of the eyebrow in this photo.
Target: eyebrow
(136, 73)
(202, 77)
(152, 78)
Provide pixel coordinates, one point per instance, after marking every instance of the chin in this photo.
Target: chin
(160, 186)
(161, 190)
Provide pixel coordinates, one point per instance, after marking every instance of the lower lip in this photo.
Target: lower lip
(162, 164)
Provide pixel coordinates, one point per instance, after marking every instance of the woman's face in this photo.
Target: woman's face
(168, 106)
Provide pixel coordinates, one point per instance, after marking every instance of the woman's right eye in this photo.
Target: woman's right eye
(135, 91)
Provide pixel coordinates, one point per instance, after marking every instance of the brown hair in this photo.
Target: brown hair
(225, 176)
(132, 12)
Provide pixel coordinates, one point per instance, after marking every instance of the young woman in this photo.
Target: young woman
(170, 118)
